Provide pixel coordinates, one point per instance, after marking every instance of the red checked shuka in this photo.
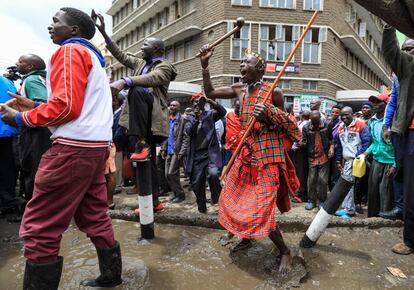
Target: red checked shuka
(249, 197)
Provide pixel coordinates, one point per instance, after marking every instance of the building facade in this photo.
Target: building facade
(341, 52)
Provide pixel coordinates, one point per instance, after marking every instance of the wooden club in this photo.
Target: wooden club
(269, 94)
(239, 25)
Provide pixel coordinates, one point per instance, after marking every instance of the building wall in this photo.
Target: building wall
(333, 73)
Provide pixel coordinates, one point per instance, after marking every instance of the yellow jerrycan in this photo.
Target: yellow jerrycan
(359, 166)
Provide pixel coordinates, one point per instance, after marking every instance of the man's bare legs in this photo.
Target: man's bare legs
(285, 255)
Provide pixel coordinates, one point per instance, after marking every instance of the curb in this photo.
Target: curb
(286, 223)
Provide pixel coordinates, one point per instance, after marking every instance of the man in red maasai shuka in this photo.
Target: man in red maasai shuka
(249, 197)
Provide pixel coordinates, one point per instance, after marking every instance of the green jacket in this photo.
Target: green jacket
(380, 151)
(158, 79)
(397, 13)
(402, 65)
(34, 86)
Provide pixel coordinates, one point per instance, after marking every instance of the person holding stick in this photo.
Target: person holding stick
(250, 194)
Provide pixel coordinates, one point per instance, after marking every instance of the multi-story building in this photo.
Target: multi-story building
(339, 60)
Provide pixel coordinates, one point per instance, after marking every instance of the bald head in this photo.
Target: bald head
(408, 46)
(347, 110)
(152, 47)
(30, 62)
(347, 115)
(315, 104)
(174, 107)
(315, 117)
(306, 115)
(156, 42)
(278, 99)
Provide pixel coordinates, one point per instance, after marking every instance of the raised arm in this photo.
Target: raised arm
(399, 14)
(218, 110)
(401, 63)
(209, 90)
(122, 57)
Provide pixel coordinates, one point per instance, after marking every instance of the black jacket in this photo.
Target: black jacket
(308, 138)
(402, 65)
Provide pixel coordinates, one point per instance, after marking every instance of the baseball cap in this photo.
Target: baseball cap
(383, 97)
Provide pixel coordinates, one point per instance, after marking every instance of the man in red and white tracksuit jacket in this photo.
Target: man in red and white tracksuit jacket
(70, 181)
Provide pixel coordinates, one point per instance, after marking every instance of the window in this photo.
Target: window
(169, 53)
(241, 2)
(240, 41)
(188, 49)
(236, 80)
(290, 4)
(162, 18)
(312, 45)
(115, 20)
(175, 10)
(137, 33)
(310, 85)
(313, 5)
(285, 84)
(130, 7)
(136, 3)
(179, 52)
(153, 25)
(350, 14)
(277, 41)
(132, 36)
(186, 6)
(147, 28)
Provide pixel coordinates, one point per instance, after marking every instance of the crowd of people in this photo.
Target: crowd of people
(71, 150)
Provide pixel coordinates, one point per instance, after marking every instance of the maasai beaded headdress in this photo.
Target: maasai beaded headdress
(260, 60)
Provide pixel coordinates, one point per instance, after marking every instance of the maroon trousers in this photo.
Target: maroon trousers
(69, 183)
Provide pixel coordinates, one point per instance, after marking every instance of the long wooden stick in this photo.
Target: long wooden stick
(269, 94)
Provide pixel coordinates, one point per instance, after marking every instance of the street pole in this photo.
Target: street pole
(146, 209)
(325, 214)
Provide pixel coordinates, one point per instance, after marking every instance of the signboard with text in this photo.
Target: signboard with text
(277, 67)
(302, 103)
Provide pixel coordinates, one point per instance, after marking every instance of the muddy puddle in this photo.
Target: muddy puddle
(183, 257)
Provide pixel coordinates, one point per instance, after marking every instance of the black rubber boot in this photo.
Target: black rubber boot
(42, 276)
(110, 265)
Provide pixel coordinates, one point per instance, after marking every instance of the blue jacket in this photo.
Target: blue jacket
(392, 105)
(352, 140)
(6, 86)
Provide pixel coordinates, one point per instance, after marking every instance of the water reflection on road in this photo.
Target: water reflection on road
(183, 257)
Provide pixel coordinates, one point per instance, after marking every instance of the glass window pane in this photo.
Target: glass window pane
(245, 45)
(280, 50)
(306, 52)
(308, 37)
(263, 48)
(188, 50)
(315, 53)
(236, 49)
(288, 49)
(245, 31)
(271, 55)
(264, 32)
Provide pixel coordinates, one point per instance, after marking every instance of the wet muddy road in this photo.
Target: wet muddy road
(183, 257)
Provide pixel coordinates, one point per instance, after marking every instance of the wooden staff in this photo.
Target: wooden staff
(239, 25)
(252, 120)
